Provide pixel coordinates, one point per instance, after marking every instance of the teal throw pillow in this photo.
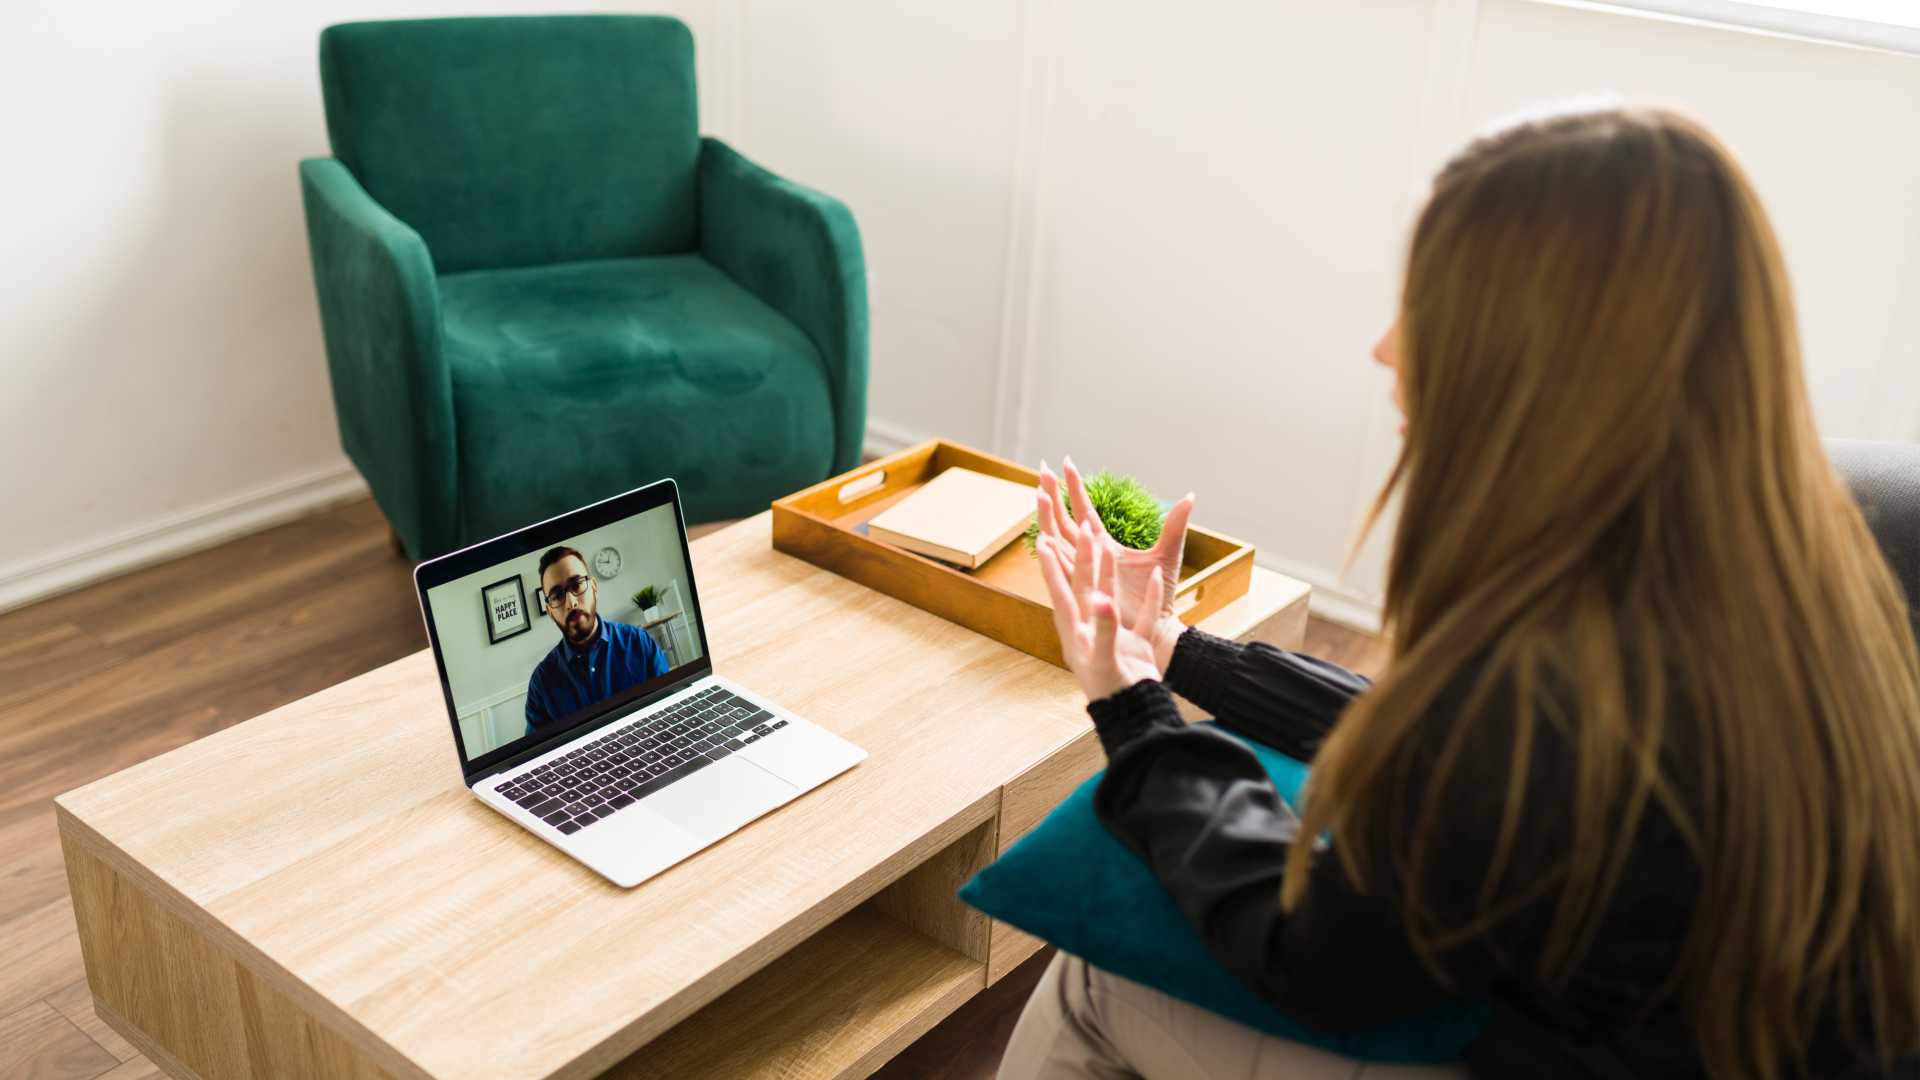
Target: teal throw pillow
(1070, 883)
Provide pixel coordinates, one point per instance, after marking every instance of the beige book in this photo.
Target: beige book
(960, 516)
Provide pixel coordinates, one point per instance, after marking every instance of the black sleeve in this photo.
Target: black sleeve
(1199, 809)
(1286, 700)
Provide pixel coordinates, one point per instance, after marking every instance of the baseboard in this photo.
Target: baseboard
(1332, 600)
(172, 535)
(1339, 606)
(884, 438)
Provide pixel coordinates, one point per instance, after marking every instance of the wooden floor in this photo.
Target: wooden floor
(103, 676)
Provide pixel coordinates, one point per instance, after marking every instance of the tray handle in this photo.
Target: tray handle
(854, 490)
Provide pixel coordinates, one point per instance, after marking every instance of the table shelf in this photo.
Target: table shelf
(839, 1005)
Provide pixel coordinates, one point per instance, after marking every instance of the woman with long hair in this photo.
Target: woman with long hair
(1643, 766)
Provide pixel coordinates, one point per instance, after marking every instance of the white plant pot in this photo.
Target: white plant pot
(649, 614)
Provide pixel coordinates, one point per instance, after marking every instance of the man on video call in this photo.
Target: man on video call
(595, 659)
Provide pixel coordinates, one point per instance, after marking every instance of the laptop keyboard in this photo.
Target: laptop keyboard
(595, 780)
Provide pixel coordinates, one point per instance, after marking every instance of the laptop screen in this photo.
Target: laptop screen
(555, 628)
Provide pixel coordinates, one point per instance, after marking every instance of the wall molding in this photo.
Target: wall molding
(719, 32)
(1021, 276)
(732, 22)
(1434, 133)
(169, 536)
(1796, 23)
(482, 704)
(1453, 29)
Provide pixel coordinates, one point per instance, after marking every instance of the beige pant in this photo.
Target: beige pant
(1083, 1023)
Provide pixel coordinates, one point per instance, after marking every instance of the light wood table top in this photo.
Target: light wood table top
(331, 850)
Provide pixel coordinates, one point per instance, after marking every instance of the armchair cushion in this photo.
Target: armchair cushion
(571, 380)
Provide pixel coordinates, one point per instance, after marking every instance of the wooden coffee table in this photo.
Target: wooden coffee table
(312, 892)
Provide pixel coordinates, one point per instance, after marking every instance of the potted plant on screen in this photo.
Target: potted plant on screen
(648, 601)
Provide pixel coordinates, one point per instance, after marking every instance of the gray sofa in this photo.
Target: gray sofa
(1885, 478)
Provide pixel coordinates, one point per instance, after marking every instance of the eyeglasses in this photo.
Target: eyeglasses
(575, 585)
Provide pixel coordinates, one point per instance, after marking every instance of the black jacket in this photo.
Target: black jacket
(1199, 809)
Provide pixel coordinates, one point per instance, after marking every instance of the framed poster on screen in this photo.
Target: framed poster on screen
(506, 605)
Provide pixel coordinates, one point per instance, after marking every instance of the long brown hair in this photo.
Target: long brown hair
(1611, 485)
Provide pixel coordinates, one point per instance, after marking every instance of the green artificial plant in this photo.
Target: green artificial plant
(648, 596)
(1129, 511)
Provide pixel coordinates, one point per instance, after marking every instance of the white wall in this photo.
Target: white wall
(908, 112)
(1160, 238)
(1827, 134)
(162, 383)
(1217, 341)
(1203, 210)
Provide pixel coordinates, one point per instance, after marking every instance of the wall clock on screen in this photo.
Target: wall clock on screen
(606, 563)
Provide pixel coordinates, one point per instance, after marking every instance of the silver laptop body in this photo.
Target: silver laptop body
(632, 782)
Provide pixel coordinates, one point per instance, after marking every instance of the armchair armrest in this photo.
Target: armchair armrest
(380, 314)
(799, 251)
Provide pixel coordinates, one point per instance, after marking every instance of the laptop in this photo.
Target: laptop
(573, 657)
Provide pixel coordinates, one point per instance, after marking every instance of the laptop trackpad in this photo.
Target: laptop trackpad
(720, 798)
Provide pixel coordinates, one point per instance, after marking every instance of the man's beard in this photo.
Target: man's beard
(579, 627)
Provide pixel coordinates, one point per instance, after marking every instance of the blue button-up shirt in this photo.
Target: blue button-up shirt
(568, 680)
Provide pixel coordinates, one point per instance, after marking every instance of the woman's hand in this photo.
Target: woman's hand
(1132, 568)
(1105, 654)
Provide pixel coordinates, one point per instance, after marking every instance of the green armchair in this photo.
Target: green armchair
(539, 286)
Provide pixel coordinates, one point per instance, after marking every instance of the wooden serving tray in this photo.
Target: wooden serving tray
(1005, 599)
